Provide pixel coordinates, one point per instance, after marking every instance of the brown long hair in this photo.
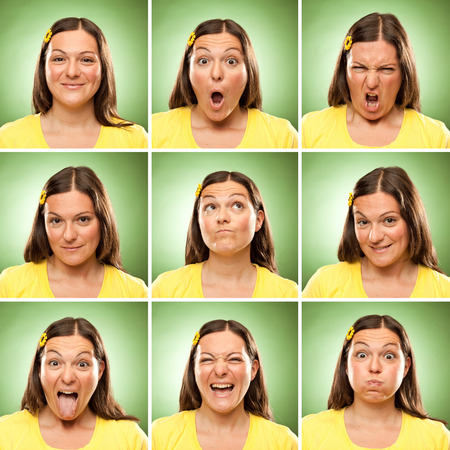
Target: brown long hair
(82, 179)
(183, 93)
(396, 182)
(370, 28)
(105, 99)
(407, 398)
(102, 401)
(262, 250)
(256, 399)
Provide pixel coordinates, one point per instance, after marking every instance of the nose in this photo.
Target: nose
(220, 368)
(73, 69)
(376, 234)
(68, 375)
(375, 366)
(223, 216)
(217, 71)
(372, 79)
(70, 232)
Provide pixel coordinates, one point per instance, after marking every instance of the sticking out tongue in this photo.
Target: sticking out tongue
(67, 404)
(217, 97)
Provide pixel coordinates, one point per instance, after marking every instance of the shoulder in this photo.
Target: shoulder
(283, 134)
(176, 113)
(431, 284)
(19, 123)
(333, 270)
(16, 281)
(131, 136)
(319, 117)
(280, 435)
(435, 131)
(123, 433)
(178, 282)
(17, 430)
(171, 129)
(167, 424)
(324, 430)
(323, 418)
(18, 418)
(270, 284)
(17, 134)
(131, 287)
(429, 430)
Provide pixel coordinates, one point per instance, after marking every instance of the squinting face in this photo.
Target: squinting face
(227, 218)
(218, 74)
(69, 375)
(381, 231)
(374, 78)
(73, 68)
(376, 365)
(223, 371)
(73, 229)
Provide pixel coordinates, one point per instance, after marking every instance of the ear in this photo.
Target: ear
(259, 220)
(407, 366)
(101, 368)
(255, 368)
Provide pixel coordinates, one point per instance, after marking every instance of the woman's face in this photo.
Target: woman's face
(73, 229)
(223, 371)
(376, 365)
(72, 68)
(218, 74)
(374, 78)
(381, 231)
(227, 218)
(69, 375)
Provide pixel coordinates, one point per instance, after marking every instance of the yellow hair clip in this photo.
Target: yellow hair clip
(43, 340)
(348, 43)
(350, 199)
(191, 39)
(43, 197)
(350, 333)
(48, 36)
(196, 338)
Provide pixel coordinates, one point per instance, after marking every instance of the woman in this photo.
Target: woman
(229, 247)
(216, 100)
(375, 399)
(68, 401)
(223, 397)
(374, 94)
(386, 248)
(74, 95)
(73, 249)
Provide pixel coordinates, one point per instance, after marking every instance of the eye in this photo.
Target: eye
(210, 207)
(88, 60)
(203, 61)
(236, 360)
(390, 356)
(387, 70)
(232, 61)
(83, 364)
(84, 220)
(206, 360)
(362, 223)
(238, 205)
(53, 363)
(390, 220)
(358, 69)
(55, 221)
(58, 59)
(361, 355)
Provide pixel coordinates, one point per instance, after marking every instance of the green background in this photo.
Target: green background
(174, 180)
(324, 325)
(324, 24)
(327, 179)
(23, 24)
(125, 176)
(274, 327)
(124, 330)
(273, 31)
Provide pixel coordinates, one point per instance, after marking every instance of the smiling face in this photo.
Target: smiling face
(376, 365)
(69, 375)
(374, 78)
(73, 229)
(223, 371)
(218, 74)
(73, 68)
(381, 231)
(227, 218)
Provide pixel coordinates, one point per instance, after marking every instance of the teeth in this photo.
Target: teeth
(221, 386)
(372, 95)
(67, 392)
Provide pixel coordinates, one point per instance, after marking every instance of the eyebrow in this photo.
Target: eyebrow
(66, 53)
(231, 195)
(79, 354)
(229, 354)
(379, 67)
(381, 215)
(225, 51)
(76, 215)
(385, 345)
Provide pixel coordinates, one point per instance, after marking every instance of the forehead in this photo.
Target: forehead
(69, 345)
(72, 202)
(373, 53)
(218, 42)
(225, 189)
(377, 203)
(377, 337)
(222, 342)
(74, 41)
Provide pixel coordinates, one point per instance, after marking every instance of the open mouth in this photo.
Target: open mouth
(216, 100)
(372, 102)
(222, 388)
(67, 403)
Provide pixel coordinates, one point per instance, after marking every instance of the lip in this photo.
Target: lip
(380, 249)
(222, 393)
(216, 106)
(72, 86)
(223, 231)
(374, 382)
(372, 108)
(71, 249)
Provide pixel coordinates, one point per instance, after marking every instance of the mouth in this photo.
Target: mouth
(71, 249)
(67, 403)
(222, 389)
(216, 100)
(72, 86)
(374, 382)
(380, 249)
(371, 102)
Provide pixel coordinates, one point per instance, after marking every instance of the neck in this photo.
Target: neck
(65, 117)
(393, 118)
(373, 413)
(233, 267)
(236, 119)
(206, 418)
(399, 270)
(89, 269)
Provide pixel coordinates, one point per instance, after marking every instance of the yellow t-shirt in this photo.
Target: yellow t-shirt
(178, 432)
(344, 280)
(20, 431)
(326, 431)
(172, 129)
(27, 133)
(328, 129)
(186, 282)
(30, 280)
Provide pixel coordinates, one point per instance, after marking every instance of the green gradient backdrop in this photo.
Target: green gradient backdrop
(273, 325)
(123, 327)
(175, 177)
(325, 23)
(271, 26)
(324, 325)
(23, 25)
(327, 178)
(125, 176)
